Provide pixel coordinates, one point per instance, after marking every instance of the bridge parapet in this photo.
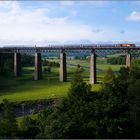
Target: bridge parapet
(69, 50)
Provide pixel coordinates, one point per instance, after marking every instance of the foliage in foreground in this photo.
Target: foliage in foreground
(106, 114)
(8, 124)
(120, 60)
(113, 112)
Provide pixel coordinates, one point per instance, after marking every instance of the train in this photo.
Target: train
(126, 45)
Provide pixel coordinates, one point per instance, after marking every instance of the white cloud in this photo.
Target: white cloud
(137, 2)
(67, 3)
(29, 26)
(25, 25)
(134, 16)
(18, 24)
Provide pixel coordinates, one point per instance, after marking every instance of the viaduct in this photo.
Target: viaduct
(93, 49)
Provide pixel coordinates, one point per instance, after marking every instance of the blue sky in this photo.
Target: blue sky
(38, 22)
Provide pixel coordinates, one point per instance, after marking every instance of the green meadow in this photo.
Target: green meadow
(26, 88)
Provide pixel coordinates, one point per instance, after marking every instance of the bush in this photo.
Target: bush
(120, 60)
(8, 124)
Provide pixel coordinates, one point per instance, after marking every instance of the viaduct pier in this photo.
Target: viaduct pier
(93, 50)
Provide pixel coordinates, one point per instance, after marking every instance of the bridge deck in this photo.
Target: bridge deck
(23, 48)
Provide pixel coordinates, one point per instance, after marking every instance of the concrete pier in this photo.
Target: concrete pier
(63, 67)
(93, 67)
(128, 59)
(17, 64)
(38, 66)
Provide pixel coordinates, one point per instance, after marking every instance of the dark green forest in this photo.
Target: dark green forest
(113, 112)
(120, 60)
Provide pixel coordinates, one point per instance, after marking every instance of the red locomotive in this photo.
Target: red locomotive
(126, 45)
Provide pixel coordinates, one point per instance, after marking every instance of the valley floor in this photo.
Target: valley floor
(25, 88)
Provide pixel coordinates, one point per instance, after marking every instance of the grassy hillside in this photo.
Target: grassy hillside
(25, 88)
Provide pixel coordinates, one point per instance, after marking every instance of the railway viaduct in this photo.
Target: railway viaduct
(93, 50)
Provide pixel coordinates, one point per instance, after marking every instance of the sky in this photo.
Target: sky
(41, 22)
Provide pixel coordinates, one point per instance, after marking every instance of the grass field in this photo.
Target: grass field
(25, 88)
(101, 64)
(19, 119)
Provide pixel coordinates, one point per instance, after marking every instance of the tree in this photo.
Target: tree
(27, 60)
(6, 64)
(120, 60)
(134, 107)
(116, 122)
(136, 62)
(42, 119)
(8, 124)
(109, 76)
(28, 128)
(135, 72)
(111, 113)
(86, 114)
(73, 117)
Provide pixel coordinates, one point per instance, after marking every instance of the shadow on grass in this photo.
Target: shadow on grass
(27, 83)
